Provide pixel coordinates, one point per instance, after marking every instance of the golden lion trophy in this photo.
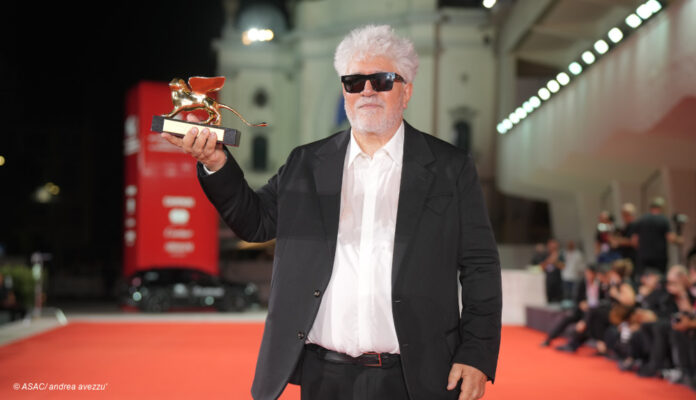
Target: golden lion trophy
(194, 96)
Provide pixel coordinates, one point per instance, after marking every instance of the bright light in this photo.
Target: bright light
(2, 161)
(563, 78)
(507, 124)
(654, 5)
(521, 113)
(52, 188)
(601, 46)
(514, 118)
(553, 86)
(588, 57)
(633, 21)
(575, 68)
(527, 107)
(257, 35)
(534, 101)
(544, 93)
(489, 3)
(644, 11)
(615, 35)
(501, 128)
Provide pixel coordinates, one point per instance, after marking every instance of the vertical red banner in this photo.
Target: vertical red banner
(168, 221)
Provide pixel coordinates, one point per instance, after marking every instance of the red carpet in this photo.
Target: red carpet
(215, 361)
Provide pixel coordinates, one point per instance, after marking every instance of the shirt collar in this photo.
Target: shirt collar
(394, 147)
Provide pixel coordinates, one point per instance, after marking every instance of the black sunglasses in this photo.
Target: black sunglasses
(380, 82)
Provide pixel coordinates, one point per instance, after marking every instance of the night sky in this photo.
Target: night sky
(66, 72)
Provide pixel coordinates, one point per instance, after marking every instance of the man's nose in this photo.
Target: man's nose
(367, 90)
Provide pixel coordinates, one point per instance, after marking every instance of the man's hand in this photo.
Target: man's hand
(580, 326)
(584, 306)
(202, 145)
(684, 323)
(473, 381)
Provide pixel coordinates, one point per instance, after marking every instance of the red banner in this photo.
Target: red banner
(168, 221)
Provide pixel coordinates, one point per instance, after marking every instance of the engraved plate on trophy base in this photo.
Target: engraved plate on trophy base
(176, 127)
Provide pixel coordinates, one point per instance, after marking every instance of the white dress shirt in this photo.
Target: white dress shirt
(355, 315)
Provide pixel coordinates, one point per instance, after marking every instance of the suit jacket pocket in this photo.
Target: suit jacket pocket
(438, 202)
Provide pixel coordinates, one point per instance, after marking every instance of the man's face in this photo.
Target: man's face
(376, 112)
(676, 284)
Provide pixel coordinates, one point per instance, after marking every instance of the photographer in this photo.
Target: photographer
(588, 295)
(675, 315)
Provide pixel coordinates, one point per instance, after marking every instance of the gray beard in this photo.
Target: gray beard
(369, 122)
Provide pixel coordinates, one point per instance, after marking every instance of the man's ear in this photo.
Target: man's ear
(408, 91)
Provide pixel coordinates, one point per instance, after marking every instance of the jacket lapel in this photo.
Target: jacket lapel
(328, 178)
(415, 185)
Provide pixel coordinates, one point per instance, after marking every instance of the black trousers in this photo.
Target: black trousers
(326, 380)
(563, 324)
(554, 286)
(684, 350)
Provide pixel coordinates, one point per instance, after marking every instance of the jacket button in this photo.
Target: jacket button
(317, 293)
(397, 301)
(300, 335)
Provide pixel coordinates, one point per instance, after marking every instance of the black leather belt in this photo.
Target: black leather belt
(365, 359)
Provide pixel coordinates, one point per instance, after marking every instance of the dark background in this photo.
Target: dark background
(66, 71)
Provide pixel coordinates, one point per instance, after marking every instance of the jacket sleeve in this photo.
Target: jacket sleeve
(252, 215)
(480, 277)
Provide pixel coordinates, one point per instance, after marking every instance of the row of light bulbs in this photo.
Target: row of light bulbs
(644, 12)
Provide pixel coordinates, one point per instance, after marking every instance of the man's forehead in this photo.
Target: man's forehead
(371, 64)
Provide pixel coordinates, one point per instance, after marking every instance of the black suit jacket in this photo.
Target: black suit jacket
(442, 227)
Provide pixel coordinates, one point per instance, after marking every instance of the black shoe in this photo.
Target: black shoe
(567, 348)
(647, 371)
(629, 364)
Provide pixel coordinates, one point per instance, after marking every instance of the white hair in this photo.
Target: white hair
(370, 41)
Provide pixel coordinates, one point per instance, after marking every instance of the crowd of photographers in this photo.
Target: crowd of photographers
(630, 305)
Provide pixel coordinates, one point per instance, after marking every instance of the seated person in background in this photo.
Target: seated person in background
(621, 287)
(626, 345)
(657, 339)
(597, 305)
(683, 344)
(692, 277)
(588, 294)
(596, 324)
(651, 292)
(621, 292)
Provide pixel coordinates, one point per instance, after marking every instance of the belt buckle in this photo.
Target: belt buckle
(379, 357)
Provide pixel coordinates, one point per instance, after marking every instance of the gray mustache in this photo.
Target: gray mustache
(369, 103)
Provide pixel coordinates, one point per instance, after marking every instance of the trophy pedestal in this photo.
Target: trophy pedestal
(176, 127)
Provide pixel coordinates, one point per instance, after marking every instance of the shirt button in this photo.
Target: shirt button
(317, 293)
(300, 335)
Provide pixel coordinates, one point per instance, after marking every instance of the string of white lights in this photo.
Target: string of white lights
(600, 48)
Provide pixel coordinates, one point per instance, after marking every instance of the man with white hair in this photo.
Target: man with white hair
(373, 225)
